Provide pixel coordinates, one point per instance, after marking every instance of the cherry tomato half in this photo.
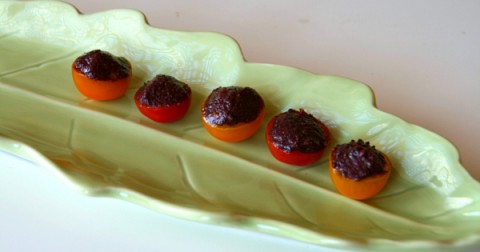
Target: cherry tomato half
(295, 157)
(362, 189)
(100, 89)
(164, 114)
(234, 133)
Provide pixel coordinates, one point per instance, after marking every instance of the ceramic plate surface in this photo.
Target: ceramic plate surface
(110, 149)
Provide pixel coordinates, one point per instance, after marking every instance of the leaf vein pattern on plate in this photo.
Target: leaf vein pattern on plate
(186, 178)
(38, 64)
(291, 207)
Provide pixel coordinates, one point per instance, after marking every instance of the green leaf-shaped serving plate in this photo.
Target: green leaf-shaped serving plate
(110, 149)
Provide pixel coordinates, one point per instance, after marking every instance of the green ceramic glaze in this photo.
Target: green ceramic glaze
(110, 149)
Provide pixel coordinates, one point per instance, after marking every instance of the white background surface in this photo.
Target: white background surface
(422, 59)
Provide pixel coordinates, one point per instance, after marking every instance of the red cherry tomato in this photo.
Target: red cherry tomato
(295, 157)
(164, 114)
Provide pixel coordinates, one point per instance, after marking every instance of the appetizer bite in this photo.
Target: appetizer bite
(163, 99)
(358, 170)
(297, 137)
(100, 75)
(233, 114)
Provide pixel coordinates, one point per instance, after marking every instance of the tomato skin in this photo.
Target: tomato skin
(294, 157)
(100, 90)
(235, 133)
(361, 189)
(164, 114)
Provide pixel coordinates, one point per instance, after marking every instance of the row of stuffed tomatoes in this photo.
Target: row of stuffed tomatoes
(233, 114)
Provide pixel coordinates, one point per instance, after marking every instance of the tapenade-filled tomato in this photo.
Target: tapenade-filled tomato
(358, 170)
(297, 137)
(100, 75)
(233, 114)
(163, 99)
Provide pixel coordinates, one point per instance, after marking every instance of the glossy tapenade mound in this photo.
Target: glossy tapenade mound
(102, 65)
(99, 75)
(163, 90)
(358, 170)
(357, 160)
(233, 113)
(232, 105)
(298, 131)
(164, 98)
(297, 137)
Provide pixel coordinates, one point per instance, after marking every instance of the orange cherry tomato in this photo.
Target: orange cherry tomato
(165, 114)
(233, 113)
(362, 189)
(100, 75)
(295, 157)
(234, 133)
(100, 89)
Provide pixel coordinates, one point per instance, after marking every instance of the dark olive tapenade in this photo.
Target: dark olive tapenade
(358, 170)
(164, 99)
(357, 160)
(297, 137)
(298, 131)
(233, 114)
(163, 90)
(102, 65)
(232, 105)
(101, 76)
